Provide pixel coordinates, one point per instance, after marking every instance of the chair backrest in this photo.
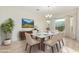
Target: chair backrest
(52, 41)
(28, 37)
(34, 31)
(60, 36)
(54, 37)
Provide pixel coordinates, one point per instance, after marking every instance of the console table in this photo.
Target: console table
(22, 34)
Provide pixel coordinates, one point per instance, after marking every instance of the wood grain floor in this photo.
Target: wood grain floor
(71, 46)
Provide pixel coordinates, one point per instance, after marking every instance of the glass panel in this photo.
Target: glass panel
(60, 24)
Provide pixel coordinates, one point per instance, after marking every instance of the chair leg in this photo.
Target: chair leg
(57, 47)
(59, 44)
(39, 46)
(52, 49)
(30, 49)
(43, 47)
(26, 47)
(63, 42)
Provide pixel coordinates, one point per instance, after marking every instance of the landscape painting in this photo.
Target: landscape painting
(27, 23)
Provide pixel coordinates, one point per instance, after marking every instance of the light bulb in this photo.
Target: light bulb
(48, 21)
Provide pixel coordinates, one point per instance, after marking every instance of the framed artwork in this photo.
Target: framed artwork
(27, 23)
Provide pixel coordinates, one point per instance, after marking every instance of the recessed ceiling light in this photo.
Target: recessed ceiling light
(48, 6)
(37, 9)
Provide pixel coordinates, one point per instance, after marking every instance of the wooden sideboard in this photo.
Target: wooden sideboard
(22, 34)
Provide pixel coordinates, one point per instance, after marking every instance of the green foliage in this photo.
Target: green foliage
(7, 26)
(61, 28)
(60, 25)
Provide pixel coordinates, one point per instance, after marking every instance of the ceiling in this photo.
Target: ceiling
(44, 10)
(54, 10)
(50, 9)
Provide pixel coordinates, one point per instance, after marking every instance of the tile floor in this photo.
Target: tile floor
(71, 46)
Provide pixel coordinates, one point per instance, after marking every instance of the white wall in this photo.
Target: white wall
(67, 26)
(17, 14)
(77, 24)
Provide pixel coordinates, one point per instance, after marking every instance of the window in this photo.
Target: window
(60, 24)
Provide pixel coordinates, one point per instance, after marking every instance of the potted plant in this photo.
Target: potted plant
(7, 28)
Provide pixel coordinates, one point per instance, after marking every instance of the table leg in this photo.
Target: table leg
(42, 45)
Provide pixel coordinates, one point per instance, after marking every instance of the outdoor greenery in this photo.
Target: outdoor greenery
(61, 28)
(59, 25)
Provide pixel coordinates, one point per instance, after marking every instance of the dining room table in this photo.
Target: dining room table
(42, 36)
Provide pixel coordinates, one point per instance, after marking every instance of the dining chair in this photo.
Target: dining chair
(34, 32)
(30, 42)
(52, 42)
(60, 38)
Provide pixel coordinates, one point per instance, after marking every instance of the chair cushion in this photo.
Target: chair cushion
(50, 42)
(33, 42)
